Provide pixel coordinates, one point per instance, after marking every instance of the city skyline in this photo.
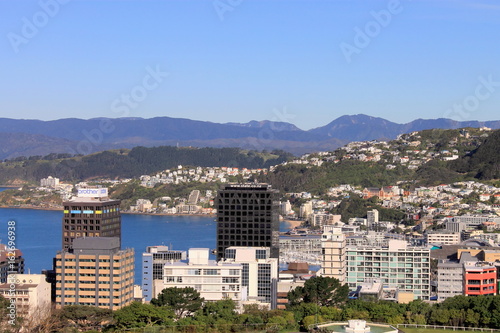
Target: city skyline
(239, 61)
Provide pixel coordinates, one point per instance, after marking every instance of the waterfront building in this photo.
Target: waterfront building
(247, 215)
(213, 280)
(96, 273)
(49, 182)
(90, 214)
(153, 261)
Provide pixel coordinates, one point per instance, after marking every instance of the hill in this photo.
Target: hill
(79, 136)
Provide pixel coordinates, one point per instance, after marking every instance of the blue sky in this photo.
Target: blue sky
(305, 62)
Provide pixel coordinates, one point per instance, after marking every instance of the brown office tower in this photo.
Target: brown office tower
(247, 215)
(90, 214)
(97, 273)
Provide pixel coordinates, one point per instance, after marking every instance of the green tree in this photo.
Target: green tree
(141, 315)
(323, 291)
(182, 301)
(85, 317)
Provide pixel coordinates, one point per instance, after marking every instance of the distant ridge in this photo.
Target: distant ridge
(21, 137)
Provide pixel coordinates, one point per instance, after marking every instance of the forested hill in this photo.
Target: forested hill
(126, 163)
(483, 162)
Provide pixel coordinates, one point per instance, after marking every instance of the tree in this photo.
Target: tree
(141, 315)
(182, 301)
(85, 317)
(322, 291)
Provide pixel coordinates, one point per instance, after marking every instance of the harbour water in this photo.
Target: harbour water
(38, 234)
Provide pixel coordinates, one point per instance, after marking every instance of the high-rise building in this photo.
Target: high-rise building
(372, 218)
(153, 261)
(247, 215)
(96, 273)
(333, 244)
(90, 214)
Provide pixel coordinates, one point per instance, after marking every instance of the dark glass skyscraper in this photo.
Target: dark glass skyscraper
(247, 215)
(90, 217)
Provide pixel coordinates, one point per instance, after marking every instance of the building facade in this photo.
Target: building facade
(32, 296)
(397, 266)
(443, 238)
(333, 247)
(153, 261)
(213, 280)
(450, 279)
(480, 278)
(9, 263)
(259, 273)
(247, 215)
(89, 216)
(96, 273)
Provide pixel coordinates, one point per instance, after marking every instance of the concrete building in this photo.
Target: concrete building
(153, 261)
(247, 215)
(442, 238)
(333, 246)
(31, 294)
(96, 273)
(259, 274)
(49, 182)
(213, 280)
(397, 266)
(480, 278)
(90, 214)
(372, 218)
(450, 279)
(305, 210)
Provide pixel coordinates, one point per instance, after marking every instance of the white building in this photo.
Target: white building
(213, 280)
(31, 294)
(372, 218)
(259, 276)
(443, 238)
(49, 182)
(333, 244)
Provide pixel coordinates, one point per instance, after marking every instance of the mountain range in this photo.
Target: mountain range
(21, 137)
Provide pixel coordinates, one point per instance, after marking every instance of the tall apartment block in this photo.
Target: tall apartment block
(153, 261)
(333, 245)
(247, 215)
(96, 273)
(396, 265)
(91, 214)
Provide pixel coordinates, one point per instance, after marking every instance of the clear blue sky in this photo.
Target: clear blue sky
(304, 62)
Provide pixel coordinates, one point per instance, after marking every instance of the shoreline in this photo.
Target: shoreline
(292, 223)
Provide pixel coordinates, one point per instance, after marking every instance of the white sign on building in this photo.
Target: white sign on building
(93, 192)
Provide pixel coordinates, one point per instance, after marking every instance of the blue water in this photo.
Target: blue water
(38, 234)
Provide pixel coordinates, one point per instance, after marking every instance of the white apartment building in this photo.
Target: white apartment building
(259, 276)
(31, 294)
(213, 280)
(450, 279)
(398, 266)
